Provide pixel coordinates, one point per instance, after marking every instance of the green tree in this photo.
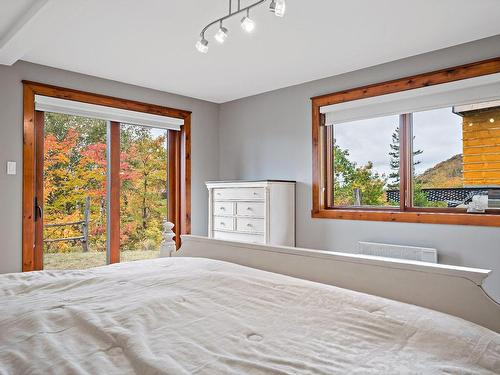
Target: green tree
(394, 163)
(419, 197)
(89, 130)
(349, 176)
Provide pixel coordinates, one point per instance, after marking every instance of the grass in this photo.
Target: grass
(79, 260)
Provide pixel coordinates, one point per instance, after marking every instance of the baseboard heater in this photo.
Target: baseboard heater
(422, 254)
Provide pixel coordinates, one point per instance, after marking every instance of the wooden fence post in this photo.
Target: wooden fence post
(357, 197)
(85, 225)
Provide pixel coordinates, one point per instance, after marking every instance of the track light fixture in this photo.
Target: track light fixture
(221, 34)
(278, 7)
(202, 45)
(247, 24)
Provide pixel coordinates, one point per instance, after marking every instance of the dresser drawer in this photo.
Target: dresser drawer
(244, 224)
(223, 208)
(223, 223)
(239, 237)
(239, 193)
(250, 209)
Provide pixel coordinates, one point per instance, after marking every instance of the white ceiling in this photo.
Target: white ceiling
(151, 42)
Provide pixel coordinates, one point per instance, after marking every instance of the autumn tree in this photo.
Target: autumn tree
(143, 205)
(75, 168)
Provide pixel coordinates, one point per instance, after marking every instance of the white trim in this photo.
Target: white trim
(250, 184)
(70, 107)
(476, 106)
(476, 275)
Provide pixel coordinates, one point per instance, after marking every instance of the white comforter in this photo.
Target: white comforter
(199, 316)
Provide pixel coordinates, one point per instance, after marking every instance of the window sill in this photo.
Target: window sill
(490, 220)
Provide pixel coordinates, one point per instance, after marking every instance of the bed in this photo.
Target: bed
(195, 315)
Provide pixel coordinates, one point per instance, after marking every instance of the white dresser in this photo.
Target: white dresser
(252, 211)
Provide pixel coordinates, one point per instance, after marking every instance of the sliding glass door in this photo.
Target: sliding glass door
(105, 191)
(100, 177)
(143, 190)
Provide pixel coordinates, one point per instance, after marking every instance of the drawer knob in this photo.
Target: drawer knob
(222, 223)
(249, 208)
(255, 193)
(223, 208)
(249, 225)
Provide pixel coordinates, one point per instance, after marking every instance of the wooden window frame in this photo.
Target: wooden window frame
(322, 195)
(179, 142)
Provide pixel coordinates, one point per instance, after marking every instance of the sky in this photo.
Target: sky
(155, 132)
(437, 132)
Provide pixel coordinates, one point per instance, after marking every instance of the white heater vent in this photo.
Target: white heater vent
(423, 254)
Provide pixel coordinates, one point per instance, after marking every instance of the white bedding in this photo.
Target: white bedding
(199, 316)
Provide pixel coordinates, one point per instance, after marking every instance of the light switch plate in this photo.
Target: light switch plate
(11, 167)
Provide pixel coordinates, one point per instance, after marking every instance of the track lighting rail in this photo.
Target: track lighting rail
(247, 24)
(240, 10)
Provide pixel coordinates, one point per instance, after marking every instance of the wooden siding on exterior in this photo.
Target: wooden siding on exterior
(481, 147)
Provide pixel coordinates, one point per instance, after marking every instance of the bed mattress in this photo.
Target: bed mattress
(200, 316)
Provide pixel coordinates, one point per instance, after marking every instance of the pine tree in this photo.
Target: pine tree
(394, 163)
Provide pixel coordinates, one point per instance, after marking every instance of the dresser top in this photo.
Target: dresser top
(247, 181)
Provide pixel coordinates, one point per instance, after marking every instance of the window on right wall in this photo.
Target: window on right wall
(430, 153)
(456, 156)
(453, 159)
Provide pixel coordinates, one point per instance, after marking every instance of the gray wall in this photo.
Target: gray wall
(269, 136)
(204, 144)
(264, 136)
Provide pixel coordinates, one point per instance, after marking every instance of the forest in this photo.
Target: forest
(373, 186)
(75, 168)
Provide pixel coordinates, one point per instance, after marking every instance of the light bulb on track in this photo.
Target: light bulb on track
(221, 34)
(202, 45)
(278, 7)
(247, 23)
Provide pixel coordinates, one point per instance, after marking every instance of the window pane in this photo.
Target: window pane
(143, 191)
(456, 155)
(74, 192)
(366, 162)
